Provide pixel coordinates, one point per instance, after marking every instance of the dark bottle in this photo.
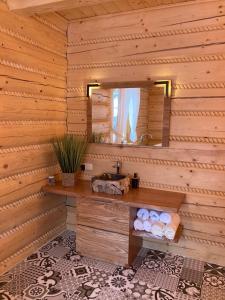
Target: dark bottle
(135, 181)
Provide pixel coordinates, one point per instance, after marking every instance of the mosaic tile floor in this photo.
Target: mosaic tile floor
(57, 272)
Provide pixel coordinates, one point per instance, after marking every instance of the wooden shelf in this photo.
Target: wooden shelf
(137, 198)
(148, 235)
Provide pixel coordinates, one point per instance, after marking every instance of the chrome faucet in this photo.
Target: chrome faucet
(118, 165)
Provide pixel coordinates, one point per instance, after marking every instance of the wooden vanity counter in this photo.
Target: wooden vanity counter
(104, 226)
(140, 198)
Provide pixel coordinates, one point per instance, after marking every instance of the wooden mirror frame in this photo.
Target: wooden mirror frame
(166, 84)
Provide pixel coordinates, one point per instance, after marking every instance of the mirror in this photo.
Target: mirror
(130, 113)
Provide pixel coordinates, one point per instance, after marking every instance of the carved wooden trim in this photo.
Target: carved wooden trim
(39, 217)
(147, 35)
(183, 113)
(50, 169)
(203, 241)
(164, 162)
(207, 218)
(22, 201)
(50, 233)
(184, 189)
(24, 148)
(173, 188)
(78, 132)
(30, 123)
(78, 112)
(15, 65)
(79, 91)
(28, 40)
(199, 85)
(150, 61)
(31, 95)
(42, 20)
(197, 139)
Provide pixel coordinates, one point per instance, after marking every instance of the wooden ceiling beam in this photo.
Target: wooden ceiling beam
(42, 6)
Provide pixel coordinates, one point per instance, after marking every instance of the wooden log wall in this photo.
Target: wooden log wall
(188, 48)
(32, 111)
(101, 107)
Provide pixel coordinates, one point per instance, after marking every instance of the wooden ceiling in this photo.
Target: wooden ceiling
(80, 9)
(116, 6)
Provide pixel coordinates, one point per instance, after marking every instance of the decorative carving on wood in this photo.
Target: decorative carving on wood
(50, 169)
(78, 132)
(31, 123)
(183, 113)
(164, 162)
(42, 20)
(203, 241)
(39, 217)
(207, 218)
(183, 189)
(199, 85)
(28, 40)
(22, 201)
(147, 35)
(150, 61)
(174, 188)
(29, 95)
(22, 148)
(79, 91)
(197, 139)
(19, 66)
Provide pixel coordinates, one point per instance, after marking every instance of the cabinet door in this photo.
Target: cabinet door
(104, 215)
(103, 245)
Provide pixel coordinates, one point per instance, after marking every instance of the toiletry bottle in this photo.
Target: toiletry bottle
(135, 181)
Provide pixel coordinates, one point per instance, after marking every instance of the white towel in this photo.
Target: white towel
(165, 217)
(171, 229)
(154, 215)
(158, 229)
(138, 224)
(147, 225)
(143, 214)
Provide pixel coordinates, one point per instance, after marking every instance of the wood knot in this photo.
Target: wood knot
(5, 166)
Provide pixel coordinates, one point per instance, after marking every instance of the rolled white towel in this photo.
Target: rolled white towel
(143, 214)
(138, 224)
(158, 229)
(154, 215)
(171, 229)
(147, 225)
(165, 217)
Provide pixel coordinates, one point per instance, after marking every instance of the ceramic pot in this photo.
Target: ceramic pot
(68, 179)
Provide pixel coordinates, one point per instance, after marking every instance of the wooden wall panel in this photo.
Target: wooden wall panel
(188, 48)
(33, 110)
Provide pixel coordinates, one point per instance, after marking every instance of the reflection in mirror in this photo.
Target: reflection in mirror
(130, 115)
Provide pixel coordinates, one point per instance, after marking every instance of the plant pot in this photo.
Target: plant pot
(68, 179)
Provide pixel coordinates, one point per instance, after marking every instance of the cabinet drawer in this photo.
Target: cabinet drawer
(104, 215)
(103, 245)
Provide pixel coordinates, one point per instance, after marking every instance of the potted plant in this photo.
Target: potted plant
(70, 150)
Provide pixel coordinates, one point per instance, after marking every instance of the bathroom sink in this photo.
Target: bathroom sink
(111, 176)
(110, 183)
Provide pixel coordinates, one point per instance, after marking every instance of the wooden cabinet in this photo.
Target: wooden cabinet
(103, 230)
(103, 214)
(103, 245)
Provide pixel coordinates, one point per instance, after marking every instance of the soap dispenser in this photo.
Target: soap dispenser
(135, 181)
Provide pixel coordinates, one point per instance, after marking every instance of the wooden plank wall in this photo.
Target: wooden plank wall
(32, 110)
(165, 43)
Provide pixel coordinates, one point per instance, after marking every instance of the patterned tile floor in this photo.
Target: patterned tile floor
(57, 272)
